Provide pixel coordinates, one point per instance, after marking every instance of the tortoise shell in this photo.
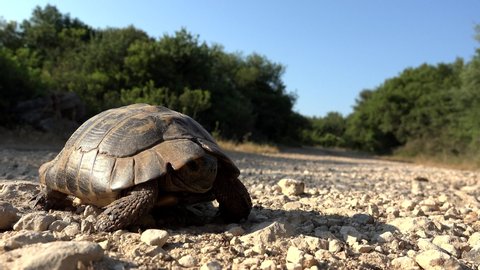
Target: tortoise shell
(126, 146)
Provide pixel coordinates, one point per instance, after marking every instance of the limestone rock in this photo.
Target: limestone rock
(474, 239)
(435, 259)
(408, 224)
(405, 263)
(291, 186)
(268, 232)
(9, 215)
(154, 237)
(295, 255)
(27, 238)
(53, 255)
(36, 221)
(211, 265)
(473, 255)
(187, 261)
(385, 237)
(268, 265)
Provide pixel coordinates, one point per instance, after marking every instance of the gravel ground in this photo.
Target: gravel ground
(313, 209)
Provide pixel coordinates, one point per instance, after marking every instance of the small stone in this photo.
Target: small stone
(429, 205)
(470, 217)
(473, 255)
(424, 244)
(373, 210)
(309, 261)
(315, 243)
(442, 198)
(404, 263)
(236, 230)
(408, 224)
(187, 261)
(363, 248)
(446, 243)
(154, 237)
(363, 218)
(105, 244)
(293, 266)
(268, 265)
(211, 265)
(268, 232)
(251, 262)
(57, 226)
(435, 259)
(474, 239)
(334, 246)
(422, 233)
(9, 215)
(292, 206)
(418, 212)
(87, 226)
(392, 211)
(72, 229)
(259, 249)
(408, 205)
(295, 255)
(91, 210)
(291, 186)
(349, 231)
(36, 221)
(385, 237)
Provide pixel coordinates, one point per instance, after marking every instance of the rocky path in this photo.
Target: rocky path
(312, 210)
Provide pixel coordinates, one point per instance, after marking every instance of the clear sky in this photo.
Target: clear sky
(332, 50)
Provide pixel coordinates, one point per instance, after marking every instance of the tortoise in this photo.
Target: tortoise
(130, 159)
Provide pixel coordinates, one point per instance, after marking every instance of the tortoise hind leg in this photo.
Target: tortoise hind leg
(233, 198)
(127, 209)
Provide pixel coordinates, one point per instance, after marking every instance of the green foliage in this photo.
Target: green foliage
(326, 131)
(242, 97)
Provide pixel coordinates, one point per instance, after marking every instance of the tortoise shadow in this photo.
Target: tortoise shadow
(204, 219)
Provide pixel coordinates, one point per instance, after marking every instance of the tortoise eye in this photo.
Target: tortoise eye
(192, 165)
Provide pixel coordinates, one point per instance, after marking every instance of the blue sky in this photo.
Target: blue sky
(332, 50)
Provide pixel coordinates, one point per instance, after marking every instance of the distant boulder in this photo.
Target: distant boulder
(59, 113)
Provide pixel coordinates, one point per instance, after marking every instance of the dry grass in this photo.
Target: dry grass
(248, 147)
(450, 162)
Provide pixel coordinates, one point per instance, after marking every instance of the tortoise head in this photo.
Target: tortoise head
(197, 175)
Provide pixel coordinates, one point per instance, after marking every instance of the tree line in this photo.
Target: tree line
(431, 110)
(240, 97)
(427, 109)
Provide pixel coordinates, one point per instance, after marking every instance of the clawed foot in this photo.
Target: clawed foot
(39, 201)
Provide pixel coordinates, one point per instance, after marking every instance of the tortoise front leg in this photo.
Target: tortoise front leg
(233, 198)
(129, 208)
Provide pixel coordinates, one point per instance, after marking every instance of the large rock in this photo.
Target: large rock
(268, 232)
(52, 256)
(291, 186)
(18, 192)
(58, 113)
(154, 237)
(27, 238)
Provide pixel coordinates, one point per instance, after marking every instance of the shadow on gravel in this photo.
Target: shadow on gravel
(314, 223)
